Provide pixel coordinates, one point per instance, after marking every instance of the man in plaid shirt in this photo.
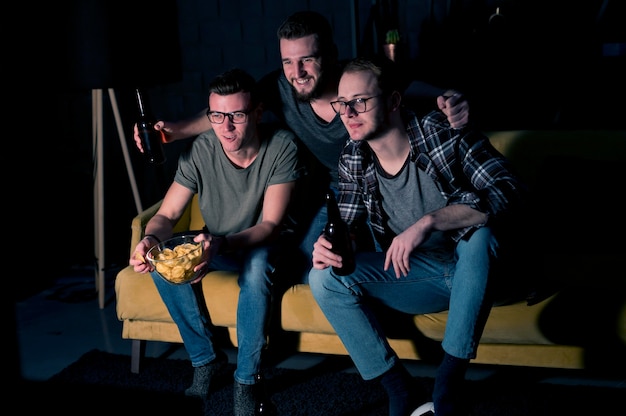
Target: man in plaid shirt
(438, 200)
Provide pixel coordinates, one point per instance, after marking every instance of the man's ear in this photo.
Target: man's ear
(258, 111)
(396, 99)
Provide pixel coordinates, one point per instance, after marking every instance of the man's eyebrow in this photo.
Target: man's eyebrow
(354, 97)
(301, 57)
(227, 112)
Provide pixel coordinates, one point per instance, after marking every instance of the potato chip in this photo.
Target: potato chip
(177, 264)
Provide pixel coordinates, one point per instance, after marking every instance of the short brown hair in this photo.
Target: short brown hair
(233, 81)
(385, 71)
(305, 23)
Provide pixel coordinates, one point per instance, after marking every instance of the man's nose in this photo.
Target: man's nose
(228, 123)
(351, 112)
(300, 71)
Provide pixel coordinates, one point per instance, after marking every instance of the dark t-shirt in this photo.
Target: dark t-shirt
(324, 141)
(320, 143)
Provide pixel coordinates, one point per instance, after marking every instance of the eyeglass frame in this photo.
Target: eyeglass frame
(346, 104)
(230, 116)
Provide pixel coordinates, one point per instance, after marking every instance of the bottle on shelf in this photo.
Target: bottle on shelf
(337, 233)
(151, 139)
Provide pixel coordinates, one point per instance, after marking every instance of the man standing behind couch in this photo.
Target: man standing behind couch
(244, 174)
(438, 200)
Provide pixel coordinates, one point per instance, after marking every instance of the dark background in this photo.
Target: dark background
(534, 64)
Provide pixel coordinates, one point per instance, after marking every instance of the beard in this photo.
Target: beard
(315, 93)
(381, 127)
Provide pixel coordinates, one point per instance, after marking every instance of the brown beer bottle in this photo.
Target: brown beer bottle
(336, 231)
(151, 140)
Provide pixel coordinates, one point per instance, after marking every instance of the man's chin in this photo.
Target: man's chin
(304, 96)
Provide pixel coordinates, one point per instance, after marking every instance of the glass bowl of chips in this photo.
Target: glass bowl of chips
(175, 259)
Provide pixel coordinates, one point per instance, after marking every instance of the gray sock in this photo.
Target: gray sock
(202, 377)
(252, 399)
(243, 399)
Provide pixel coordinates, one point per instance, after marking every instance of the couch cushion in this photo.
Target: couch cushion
(300, 312)
(138, 298)
(516, 323)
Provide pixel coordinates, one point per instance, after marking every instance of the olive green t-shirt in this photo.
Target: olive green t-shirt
(231, 198)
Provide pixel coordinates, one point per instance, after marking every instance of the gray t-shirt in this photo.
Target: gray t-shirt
(323, 140)
(407, 197)
(231, 198)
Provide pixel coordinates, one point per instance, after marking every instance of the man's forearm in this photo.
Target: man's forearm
(455, 216)
(189, 127)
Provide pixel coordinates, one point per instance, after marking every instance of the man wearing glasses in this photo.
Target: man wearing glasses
(244, 174)
(358, 105)
(439, 201)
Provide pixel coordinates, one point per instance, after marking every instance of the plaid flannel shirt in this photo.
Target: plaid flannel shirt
(466, 168)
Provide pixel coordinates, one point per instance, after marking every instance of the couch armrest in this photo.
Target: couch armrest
(138, 225)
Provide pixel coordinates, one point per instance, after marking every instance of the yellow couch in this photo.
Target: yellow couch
(580, 324)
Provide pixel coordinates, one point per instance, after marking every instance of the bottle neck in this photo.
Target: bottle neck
(332, 210)
(141, 103)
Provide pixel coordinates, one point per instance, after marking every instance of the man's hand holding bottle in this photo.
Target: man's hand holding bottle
(176, 130)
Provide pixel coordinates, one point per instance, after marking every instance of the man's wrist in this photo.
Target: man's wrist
(152, 237)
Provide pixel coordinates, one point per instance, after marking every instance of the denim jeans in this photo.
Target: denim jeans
(306, 244)
(454, 280)
(255, 268)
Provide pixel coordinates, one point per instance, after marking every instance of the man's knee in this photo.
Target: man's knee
(318, 282)
(482, 240)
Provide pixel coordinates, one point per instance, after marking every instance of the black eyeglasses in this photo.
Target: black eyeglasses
(236, 117)
(358, 105)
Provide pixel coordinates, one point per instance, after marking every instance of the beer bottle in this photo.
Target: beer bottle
(337, 233)
(151, 140)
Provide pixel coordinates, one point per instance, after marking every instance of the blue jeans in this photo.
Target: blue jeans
(310, 236)
(255, 268)
(453, 280)
(305, 247)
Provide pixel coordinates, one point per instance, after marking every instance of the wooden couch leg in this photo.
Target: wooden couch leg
(137, 351)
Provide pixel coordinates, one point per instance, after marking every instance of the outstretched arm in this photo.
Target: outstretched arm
(178, 130)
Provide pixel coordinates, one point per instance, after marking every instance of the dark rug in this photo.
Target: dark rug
(100, 382)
